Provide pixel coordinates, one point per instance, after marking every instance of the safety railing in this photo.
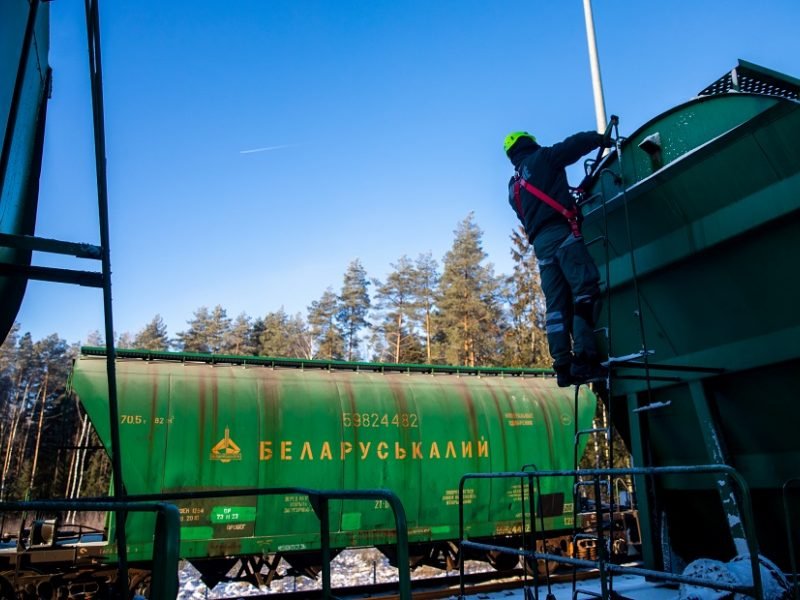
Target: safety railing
(789, 486)
(164, 582)
(530, 476)
(607, 568)
(319, 500)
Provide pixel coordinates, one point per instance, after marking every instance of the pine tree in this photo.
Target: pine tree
(219, 327)
(274, 340)
(256, 331)
(526, 342)
(300, 337)
(125, 340)
(195, 338)
(398, 307)
(471, 317)
(326, 333)
(95, 338)
(285, 336)
(33, 376)
(427, 281)
(8, 356)
(353, 307)
(207, 331)
(236, 340)
(153, 336)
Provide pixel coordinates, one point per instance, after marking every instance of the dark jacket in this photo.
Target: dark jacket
(543, 167)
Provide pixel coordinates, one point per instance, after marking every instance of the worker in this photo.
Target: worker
(540, 196)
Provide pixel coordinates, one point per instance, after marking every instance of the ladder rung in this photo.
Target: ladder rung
(652, 406)
(627, 358)
(85, 278)
(30, 242)
(595, 430)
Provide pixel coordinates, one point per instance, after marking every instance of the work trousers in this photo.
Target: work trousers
(569, 276)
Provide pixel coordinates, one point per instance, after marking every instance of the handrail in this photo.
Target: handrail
(319, 502)
(164, 583)
(756, 589)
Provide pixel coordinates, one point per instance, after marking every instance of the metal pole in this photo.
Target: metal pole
(96, 78)
(597, 84)
(325, 544)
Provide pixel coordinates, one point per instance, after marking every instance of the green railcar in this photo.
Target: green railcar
(24, 87)
(197, 422)
(708, 208)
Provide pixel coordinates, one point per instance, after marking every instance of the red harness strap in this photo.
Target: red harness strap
(571, 215)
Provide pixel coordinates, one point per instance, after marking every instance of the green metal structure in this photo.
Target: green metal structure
(700, 208)
(200, 423)
(24, 88)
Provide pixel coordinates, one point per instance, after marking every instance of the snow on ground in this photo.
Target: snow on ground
(349, 568)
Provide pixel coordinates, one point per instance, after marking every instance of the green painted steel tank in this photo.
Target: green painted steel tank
(702, 218)
(22, 129)
(198, 422)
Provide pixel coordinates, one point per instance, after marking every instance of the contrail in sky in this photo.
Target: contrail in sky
(268, 148)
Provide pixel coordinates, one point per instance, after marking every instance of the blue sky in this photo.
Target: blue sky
(385, 119)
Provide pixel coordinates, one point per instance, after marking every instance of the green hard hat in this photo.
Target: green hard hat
(512, 138)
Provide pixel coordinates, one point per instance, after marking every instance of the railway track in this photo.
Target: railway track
(433, 587)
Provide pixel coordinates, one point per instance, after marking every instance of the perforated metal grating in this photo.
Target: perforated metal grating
(753, 79)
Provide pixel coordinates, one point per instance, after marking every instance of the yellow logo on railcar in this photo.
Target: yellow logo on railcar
(226, 449)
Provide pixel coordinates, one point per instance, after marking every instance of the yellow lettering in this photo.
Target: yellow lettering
(347, 448)
(364, 449)
(483, 448)
(450, 452)
(435, 450)
(326, 451)
(416, 450)
(382, 453)
(265, 450)
(466, 449)
(399, 451)
(286, 450)
(306, 452)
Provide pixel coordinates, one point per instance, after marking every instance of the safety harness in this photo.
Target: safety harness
(570, 214)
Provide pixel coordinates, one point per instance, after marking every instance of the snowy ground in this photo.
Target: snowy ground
(351, 567)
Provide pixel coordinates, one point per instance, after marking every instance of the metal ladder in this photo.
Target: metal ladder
(637, 360)
(31, 243)
(602, 432)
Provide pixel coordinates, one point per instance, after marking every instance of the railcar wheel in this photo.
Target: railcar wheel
(543, 568)
(502, 561)
(140, 586)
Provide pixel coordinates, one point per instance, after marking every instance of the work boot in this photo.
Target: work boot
(586, 369)
(564, 375)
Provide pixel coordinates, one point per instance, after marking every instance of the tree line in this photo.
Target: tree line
(454, 312)
(457, 312)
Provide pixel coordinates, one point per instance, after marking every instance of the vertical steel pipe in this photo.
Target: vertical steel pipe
(96, 79)
(594, 62)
